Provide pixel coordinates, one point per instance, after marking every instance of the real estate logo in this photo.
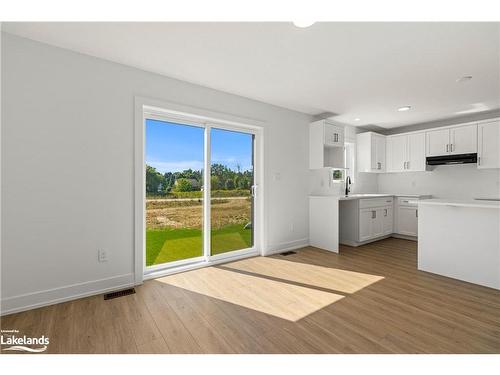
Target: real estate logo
(15, 342)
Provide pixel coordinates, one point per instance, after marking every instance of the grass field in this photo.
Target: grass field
(167, 245)
(173, 228)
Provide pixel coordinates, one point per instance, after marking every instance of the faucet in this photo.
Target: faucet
(347, 185)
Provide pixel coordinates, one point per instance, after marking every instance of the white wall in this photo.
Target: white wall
(445, 181)
(67, 168)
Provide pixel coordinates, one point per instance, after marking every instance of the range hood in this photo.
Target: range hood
(452, 159)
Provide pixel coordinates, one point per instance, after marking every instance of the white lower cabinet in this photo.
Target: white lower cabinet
(408, 221)
(375, 218)
(365, 224)
(369, 219)
(388, 221)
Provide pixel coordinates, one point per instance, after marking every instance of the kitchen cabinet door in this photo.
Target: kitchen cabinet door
(365, 224)
(437, 142)
(334, 135)
(377, 222)
(489, 145)
(407, 221)
(396, 153)
(380, 152)
(416, 152)
(463, 140)
(387, 219)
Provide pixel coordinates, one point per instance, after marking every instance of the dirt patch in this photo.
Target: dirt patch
(188, 214)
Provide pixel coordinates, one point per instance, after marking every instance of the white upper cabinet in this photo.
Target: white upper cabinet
(334, 135)
(438, 142)
(326, 145)
(406, 153)
(449, 141)
(463, 140)
(416, 152)
(488, 153)
(371, 152)
(397, 153)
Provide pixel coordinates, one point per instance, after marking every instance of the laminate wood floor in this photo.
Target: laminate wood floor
(369, 299)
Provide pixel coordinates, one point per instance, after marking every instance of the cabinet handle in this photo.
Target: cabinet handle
(404, 165)
(479, 160)
(452, 146)
(447, 147)
(374, 214)
(379, 165)
(385, 211)
(416, 213)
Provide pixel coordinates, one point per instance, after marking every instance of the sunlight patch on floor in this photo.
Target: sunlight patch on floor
(280, 299)
(323, 277)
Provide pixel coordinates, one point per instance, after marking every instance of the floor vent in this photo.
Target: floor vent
(119, 293)
(288, 253)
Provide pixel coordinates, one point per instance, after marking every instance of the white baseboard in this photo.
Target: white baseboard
(404, 237)
(47, 297)
(286, 246)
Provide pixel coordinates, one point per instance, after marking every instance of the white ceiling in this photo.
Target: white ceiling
(356, 70)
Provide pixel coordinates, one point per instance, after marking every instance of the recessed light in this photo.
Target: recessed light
(464, 79)
(303, 24)
(405, 108)
(357, 119)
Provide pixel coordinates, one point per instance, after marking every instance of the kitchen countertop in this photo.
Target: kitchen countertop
(461, 203)
(367, 196)
(364, 196)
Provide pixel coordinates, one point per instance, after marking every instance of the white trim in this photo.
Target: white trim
(171, 271)
(287, 246)
(178, 263)
(151, 108)
(455, 125)
(52, 296)
(207, 183)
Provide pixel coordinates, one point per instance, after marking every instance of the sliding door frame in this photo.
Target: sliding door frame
(149, 109)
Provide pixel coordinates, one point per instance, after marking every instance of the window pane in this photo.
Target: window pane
(174, 200)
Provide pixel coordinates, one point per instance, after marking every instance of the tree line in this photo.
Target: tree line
(222, 178)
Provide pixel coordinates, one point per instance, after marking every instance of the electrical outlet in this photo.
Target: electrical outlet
(102, 255)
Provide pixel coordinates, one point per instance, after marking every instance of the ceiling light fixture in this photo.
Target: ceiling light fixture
(357, 119)
(405, 108)
(464, 79)
(303, 24)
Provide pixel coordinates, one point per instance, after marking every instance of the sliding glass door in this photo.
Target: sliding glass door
(174, 200)
(231, 198)
(182, 227)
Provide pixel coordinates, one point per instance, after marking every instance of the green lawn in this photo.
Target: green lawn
(167, 245)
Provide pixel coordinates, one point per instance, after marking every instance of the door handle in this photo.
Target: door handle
(252, 190)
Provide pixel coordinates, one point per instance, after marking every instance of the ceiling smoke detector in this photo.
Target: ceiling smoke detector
(303, 24)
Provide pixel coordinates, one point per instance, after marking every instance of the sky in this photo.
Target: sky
(173, 148)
